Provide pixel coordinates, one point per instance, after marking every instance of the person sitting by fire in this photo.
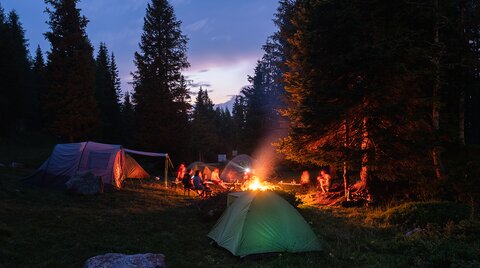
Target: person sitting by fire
(198, 183)
(180, 173)
(305, 179)
(325, 181)
(187, 179)
(215, 178)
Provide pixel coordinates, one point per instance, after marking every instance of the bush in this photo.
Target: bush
(423, 213)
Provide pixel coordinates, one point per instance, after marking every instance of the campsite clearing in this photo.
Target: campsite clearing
(47, 228)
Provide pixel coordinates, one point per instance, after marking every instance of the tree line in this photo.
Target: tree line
(75, 95)
(386, 93)
(72, 95)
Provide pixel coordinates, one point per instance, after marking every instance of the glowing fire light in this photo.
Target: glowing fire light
(255, 184)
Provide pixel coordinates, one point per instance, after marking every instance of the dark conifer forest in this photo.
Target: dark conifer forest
(386, 93)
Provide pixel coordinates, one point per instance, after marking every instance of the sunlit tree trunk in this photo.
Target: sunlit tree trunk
(366, 158)
(345, 163)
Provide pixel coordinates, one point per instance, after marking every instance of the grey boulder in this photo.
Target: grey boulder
(117, 260)
(85, 183)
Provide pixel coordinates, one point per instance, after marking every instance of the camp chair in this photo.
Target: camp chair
(186, 190)
(207, 192)
(174, 184)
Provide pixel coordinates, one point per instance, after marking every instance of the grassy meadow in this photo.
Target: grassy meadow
(47, 228)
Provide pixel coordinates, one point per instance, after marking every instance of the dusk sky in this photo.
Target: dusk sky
(225, 36)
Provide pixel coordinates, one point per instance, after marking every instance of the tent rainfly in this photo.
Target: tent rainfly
(108, 161)
(263, 222)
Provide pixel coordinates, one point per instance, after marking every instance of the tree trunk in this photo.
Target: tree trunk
(436, 151)
(438, 164)
(345, 163)
(461, 119)
(366, 158)
(461, 100)
(345, 180)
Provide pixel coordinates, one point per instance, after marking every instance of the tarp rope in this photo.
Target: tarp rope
(145, 153)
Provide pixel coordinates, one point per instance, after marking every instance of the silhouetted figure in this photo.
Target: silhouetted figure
(325, 180)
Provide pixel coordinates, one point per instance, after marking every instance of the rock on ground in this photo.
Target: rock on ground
(117, 260)
(85, 183)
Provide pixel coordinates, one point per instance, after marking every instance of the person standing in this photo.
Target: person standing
(180, 173)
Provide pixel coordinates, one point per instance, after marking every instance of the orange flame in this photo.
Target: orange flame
(255, 184)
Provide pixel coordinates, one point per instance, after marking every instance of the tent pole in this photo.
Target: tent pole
(166, 171)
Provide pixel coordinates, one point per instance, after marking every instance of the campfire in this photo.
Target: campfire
(255, 184)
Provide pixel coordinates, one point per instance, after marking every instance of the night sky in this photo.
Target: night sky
(225, 36)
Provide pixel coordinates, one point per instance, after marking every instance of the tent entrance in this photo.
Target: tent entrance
(133, 170)
(168, 162)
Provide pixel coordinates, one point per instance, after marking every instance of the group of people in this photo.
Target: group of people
(196, 180)
(324, 180)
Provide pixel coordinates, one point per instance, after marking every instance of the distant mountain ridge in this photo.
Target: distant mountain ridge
(227, 104)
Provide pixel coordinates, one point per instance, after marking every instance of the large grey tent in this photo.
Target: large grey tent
(263, 222)
(108, 161)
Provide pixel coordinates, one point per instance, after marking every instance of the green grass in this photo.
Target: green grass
(46, 228)
(421, 214)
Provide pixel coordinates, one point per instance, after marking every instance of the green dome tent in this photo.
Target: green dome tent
(263, 222)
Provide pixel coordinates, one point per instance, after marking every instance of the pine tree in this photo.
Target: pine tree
(14, 74)
(4, 97)
(223, 126)
(70, 102)
(204, 124)
(238, 122)
(115, 78)
(263, 124)
(128, 121)
(255, 109)
(39, 87)
(107, 89)
(160, 92)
